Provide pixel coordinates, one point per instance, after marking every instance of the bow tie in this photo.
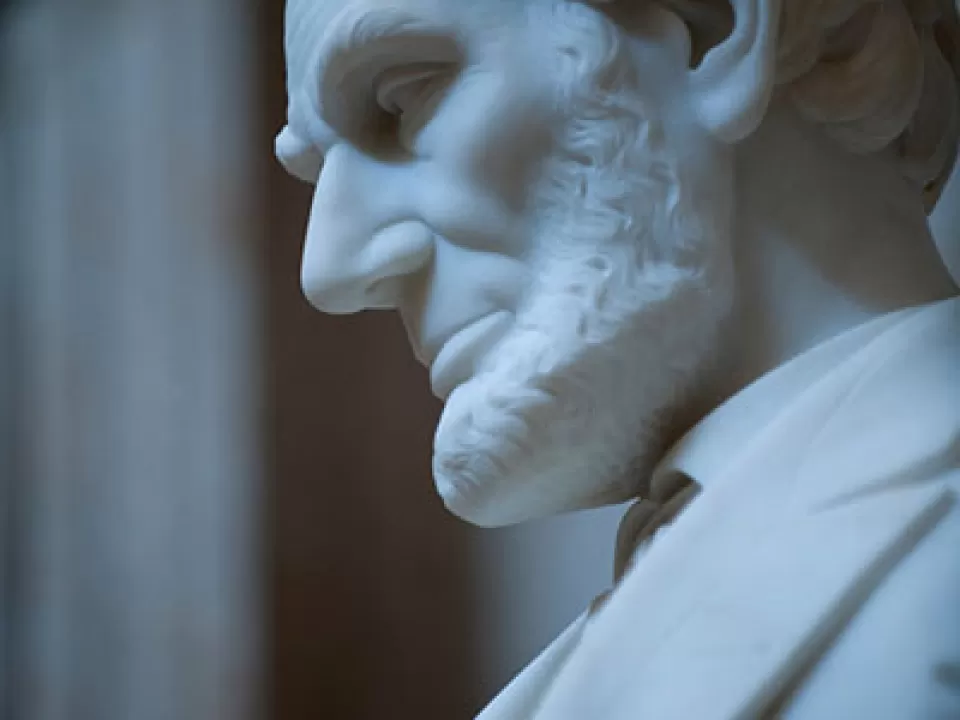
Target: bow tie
(644, 521)
(648, 517)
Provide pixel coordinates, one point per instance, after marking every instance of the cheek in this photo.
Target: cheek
(492, 135)
(509, 151)
(467, 213)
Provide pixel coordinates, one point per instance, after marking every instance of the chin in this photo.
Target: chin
(567, 414)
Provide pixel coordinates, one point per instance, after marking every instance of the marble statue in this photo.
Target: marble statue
(674, 252)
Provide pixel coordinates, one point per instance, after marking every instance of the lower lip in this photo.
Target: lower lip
(460, 355)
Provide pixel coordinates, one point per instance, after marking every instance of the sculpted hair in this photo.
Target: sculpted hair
(876, 75)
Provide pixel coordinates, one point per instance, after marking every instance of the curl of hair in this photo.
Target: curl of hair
(874, 74)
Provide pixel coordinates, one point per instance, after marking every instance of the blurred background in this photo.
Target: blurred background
(216, 503)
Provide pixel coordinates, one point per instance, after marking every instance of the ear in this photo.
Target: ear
(734, 81)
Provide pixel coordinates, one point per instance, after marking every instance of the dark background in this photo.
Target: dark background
(370, 584)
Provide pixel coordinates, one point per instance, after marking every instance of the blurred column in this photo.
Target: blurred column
(132, 574)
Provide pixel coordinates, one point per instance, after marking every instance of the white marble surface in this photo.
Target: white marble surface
(591, 256)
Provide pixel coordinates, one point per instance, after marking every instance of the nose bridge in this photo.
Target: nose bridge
(356, 238)
(344, 213)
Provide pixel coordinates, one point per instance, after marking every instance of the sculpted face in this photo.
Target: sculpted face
(533, 193)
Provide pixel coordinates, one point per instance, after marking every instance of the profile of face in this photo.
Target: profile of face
(546, 201)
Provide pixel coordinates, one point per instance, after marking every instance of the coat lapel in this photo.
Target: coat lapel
(763, 569)
(520, 699)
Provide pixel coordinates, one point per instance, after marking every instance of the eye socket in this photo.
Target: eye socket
(405, 90)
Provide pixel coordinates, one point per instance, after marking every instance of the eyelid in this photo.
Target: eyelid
(390, 81)
(347, 74)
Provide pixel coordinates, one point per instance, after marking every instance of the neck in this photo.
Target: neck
(824, 242)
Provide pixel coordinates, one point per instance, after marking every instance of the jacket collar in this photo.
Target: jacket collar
(817, 479)
(706, 451)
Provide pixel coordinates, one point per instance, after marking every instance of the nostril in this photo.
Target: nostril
(399, 249)
(335, 295)
(346, 275)
(351, 292)
(323, 299)
(395, 254)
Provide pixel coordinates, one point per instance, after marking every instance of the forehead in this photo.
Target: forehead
(312, 24)
(309, 22)
(314, 27)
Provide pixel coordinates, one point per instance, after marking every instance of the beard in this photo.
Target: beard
(632, 280)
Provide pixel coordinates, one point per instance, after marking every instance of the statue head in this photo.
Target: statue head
(543, 190)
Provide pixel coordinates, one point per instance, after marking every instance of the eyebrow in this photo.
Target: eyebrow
(356, 28)
(361, 42)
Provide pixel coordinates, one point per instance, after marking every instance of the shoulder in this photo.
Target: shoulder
(899, 656)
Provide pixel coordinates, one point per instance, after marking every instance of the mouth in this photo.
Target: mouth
(460, 355)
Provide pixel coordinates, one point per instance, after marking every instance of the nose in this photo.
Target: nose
(361, 246)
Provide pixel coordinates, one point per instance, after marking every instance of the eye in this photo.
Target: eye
(406, 90)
